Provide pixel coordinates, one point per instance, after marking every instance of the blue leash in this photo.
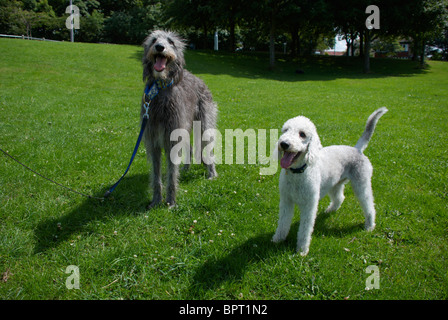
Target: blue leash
(108, 192)
(151, 93)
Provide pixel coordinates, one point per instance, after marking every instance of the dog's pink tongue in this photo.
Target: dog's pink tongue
(286, 160)
(160, 64)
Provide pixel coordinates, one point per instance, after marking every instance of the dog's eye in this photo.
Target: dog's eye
(153, 41)
(171, 42)
(302, 134)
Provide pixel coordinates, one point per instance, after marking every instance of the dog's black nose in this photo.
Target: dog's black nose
(284, 145)
(159, 48)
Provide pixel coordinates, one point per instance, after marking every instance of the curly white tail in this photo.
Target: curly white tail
(362, 143)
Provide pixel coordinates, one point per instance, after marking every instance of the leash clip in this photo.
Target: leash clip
(146, 106)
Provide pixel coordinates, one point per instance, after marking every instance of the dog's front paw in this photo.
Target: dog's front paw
(171, 204)
(303, 247)
(153, 204)
(303, 251)
(369, 227)
(278, 238)
(212, 174)
(212, 177)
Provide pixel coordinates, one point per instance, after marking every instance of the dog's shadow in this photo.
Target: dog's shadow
(232, 267)
(130, 197)
(321, 227)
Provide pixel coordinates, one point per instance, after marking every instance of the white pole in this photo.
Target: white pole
(72, 21)
(216, 41)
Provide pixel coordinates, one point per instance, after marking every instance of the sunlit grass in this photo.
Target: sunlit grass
(70, 111)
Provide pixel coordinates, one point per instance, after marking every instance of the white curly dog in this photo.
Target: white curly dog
(309, 172)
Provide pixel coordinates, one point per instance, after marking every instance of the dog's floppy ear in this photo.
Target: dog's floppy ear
(275, 154)
(180, 43)
(313, 148)
(147, 64)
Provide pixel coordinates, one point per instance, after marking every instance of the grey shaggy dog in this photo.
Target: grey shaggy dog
(185, 99)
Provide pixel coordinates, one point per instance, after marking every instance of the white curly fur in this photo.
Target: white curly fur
(327, 171)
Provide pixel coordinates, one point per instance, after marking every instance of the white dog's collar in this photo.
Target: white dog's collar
(298, 170)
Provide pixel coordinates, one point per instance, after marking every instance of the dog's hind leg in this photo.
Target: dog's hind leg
(209, 160)
(207, 117)
(363, 191)
(336, 196)
(188, 160)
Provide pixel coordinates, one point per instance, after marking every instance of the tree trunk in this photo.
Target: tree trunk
(232, 34)
(361, 44)
(347, 42)
(295, 41)
(353, 45)
(367, 52)
(205, 36)
(422, 53)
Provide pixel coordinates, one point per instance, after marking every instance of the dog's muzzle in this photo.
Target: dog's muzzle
(161, 59)
(288, 157)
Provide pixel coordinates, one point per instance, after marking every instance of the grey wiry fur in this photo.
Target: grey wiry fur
(188, 99)
(327, 171)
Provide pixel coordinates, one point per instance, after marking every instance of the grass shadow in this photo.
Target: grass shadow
(312, 68)
(137, 54)
(232, 267)
(255, 65)
(322, 228)
(129, 198)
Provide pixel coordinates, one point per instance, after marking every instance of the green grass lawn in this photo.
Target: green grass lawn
(71, 112)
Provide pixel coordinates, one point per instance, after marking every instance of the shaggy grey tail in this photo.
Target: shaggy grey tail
(362, 143)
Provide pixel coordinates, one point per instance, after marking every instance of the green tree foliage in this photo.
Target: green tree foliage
(428, 20)
(133, 24)
(304, 25)
(28, 18)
